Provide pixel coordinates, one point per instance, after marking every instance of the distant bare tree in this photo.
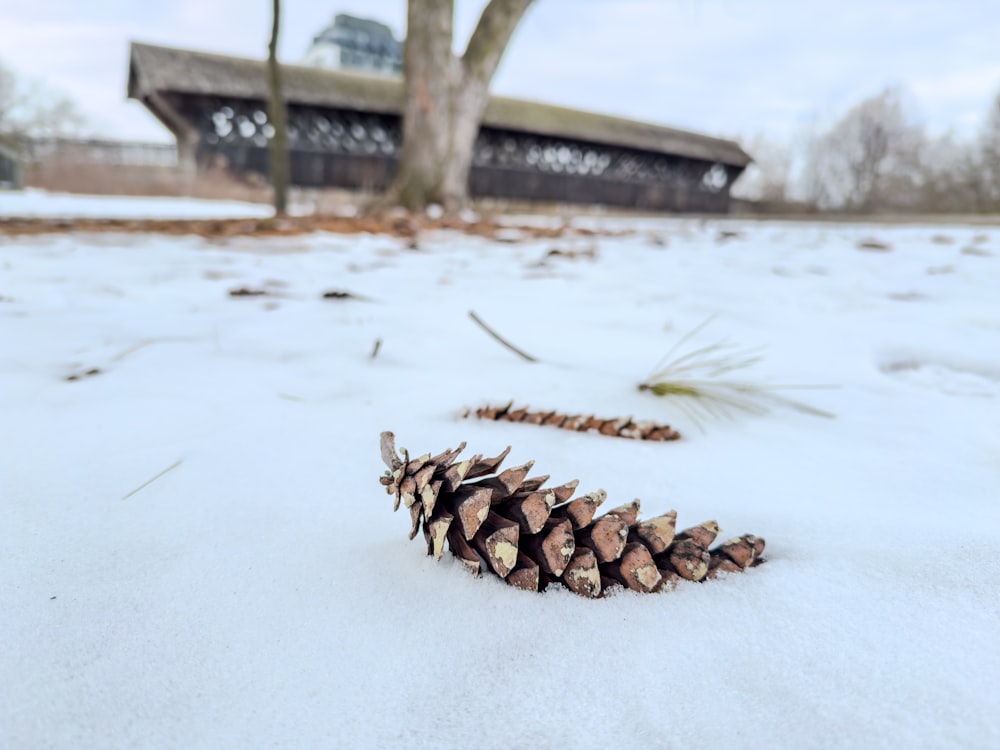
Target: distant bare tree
(963, 175)
(877, 157)
(9, 96)
(870, 159)
(278, 145)
(813, 185)
(30, 110)
(989, 158)
(951, 176)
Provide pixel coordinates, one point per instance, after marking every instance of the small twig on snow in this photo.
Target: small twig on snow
(142, 343)
(500, 338)
(154, 478)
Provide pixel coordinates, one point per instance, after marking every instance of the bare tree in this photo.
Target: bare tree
(989, 159)
(964, 175)
(870, 159)
(278, 145)
(877, 157)
(951, 176)
(30, 110)
(446, 96)
(8, 101)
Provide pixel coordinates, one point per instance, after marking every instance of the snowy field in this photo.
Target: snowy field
(261, 593)
(42, 204)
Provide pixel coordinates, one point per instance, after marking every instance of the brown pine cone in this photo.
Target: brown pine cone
(533, 536)
(622, 427)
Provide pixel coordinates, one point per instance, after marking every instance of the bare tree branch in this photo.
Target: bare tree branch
(489, 40)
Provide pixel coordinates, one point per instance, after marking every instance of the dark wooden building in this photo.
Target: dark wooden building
(10, 169)
(344, 130)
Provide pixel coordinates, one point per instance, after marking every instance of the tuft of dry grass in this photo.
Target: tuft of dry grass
(700, 382)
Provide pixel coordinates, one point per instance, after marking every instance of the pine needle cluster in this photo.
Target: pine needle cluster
(700, 382)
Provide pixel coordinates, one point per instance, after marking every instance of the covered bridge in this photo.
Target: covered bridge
(344, 131)
(10, 168)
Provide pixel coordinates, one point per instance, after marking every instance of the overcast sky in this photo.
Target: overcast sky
(727, 67)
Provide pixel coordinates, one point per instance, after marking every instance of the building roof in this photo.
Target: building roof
(376, 30)
(159, 70)
(375, 41)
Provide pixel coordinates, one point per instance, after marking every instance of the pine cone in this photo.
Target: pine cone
(533, 536)
(622, 427)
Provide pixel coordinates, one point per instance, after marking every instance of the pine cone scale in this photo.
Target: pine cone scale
(703, 534)
(628, 513)
(437, 532)
(533, 484)
(635, 569)
(582, 575)
(530, 511)
(472, 507)
(553, 547)
(581, 511)
(498, 544)
(657, 533)
(454, 475)
(487, 465)
(689, 559)
(606, 536)
(416, 514)
(526, 574)
(464, 551)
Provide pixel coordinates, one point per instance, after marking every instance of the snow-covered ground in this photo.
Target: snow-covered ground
(42, 204)
(261, 593)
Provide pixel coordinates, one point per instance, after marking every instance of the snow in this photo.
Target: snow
(262, 593)
(42, 204)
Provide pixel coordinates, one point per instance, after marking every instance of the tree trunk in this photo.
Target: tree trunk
(278, 145)
(445, 99)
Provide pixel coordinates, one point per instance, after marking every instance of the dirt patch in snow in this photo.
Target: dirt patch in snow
(407, 226)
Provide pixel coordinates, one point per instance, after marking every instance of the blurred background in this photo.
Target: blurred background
(859, 106)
